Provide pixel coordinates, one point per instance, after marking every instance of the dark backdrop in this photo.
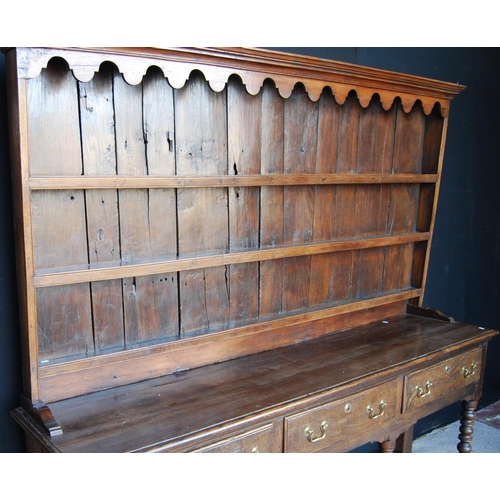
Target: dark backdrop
(464, 271)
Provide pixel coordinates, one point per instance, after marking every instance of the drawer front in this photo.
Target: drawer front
(321, 427)
(259, 440)
(424, 386)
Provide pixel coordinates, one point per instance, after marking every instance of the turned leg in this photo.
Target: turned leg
(387, 446)
(468, 416)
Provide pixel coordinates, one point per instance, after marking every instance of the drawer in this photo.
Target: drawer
(258, 440)
(423, 386)
(329, 424)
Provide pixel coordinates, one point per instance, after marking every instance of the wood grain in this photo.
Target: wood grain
(244, 149)
(201, 148)
(158, 129)
(304, 375)
(271, 200)
(170, 210)
(59, 232)
(129, 366)
(300, 156)
(345, 196)
(254, 66)
(194, 181)
(321, 285)
(103, 225)
(223, 245)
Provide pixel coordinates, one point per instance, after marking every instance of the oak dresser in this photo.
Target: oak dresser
(224, 250)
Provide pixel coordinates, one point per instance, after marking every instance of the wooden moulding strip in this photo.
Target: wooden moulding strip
(73, 378)
(47, 279)
(165, 182)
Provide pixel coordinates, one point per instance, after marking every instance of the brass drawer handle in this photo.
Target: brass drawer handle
(468, 373)
(420, 391)
(309, 433)
(371, 411)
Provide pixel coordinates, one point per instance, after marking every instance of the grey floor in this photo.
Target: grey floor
(486, 437)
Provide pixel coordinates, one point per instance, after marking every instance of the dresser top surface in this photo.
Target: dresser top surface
(130, 417)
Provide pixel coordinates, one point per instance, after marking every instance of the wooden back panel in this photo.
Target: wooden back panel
(170, 225)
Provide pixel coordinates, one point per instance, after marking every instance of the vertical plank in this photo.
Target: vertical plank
(135, 238)
(301, 132)
(367, 272)
(375, 153)
(408, 147)
(59, 232)
(201, 149)
(64, 323)
(321, 289)
(345, 196)
(409, 135)
(244, 124)
(158, 129)
(131, 160)
(146, 299)
(402, 216)
(271, 199)
(397, 267)
(434, 124)
(54, 136)
(99, 158)
(341, 271)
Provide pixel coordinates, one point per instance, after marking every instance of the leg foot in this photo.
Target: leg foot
(387, 446)
(467, 419)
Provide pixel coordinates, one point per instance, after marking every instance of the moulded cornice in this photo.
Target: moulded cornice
(253, 66)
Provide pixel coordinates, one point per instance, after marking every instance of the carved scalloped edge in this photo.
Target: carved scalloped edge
(85, 64)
